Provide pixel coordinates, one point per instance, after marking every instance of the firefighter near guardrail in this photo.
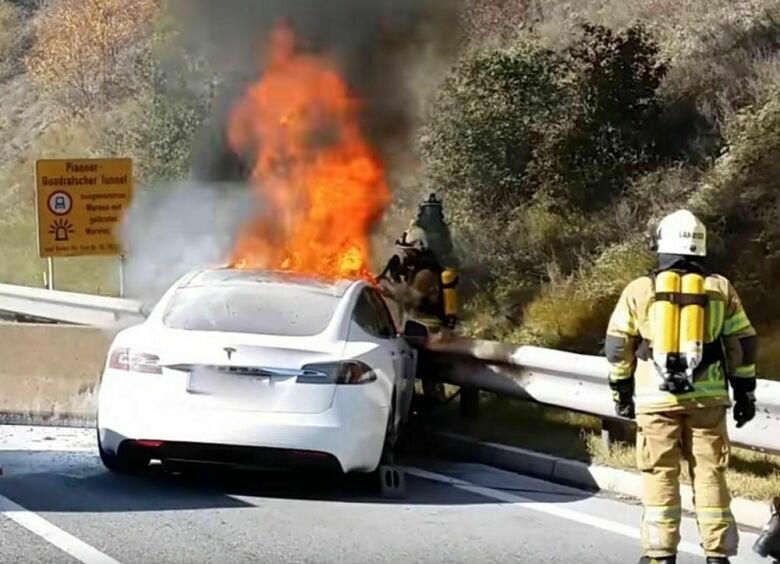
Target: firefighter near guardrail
(422, 277)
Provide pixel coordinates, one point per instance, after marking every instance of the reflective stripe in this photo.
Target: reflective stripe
(662, 513)
(619, 376)
(714, 515)
(617, 372)
(713, 385)
(655, 519)
(715, 375)
(665, 399)
(717, 310)
(736, 323)
(748, 371)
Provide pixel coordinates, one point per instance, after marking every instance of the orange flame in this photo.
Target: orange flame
(320, 187)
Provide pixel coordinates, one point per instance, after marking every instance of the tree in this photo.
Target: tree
(86, 50)
(483, 135)
(616, 133)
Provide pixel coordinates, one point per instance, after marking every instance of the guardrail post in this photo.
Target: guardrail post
(616, 430)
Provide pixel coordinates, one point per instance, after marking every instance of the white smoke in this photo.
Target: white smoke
(172, 230)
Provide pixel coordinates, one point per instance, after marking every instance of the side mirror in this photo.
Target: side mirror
(415, 329)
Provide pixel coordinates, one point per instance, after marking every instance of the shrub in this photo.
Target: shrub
(488, 122)
(616, 133)
(158, 126)
(86, 50)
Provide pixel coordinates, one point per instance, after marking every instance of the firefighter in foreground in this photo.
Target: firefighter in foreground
(675, 341)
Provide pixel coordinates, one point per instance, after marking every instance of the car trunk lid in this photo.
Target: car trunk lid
(248, 372)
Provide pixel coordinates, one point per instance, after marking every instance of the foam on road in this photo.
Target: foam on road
(452, 513)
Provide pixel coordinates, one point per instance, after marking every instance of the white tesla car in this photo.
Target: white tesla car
(259, 369)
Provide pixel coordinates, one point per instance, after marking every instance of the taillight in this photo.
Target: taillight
(348, 372)
(133, 361)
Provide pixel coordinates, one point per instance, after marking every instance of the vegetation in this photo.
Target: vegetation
(90, 78)
(559, 143)
(560, 134)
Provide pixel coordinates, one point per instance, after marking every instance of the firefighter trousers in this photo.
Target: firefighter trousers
(699, 436)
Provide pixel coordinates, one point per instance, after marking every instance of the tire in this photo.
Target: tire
(122, 464)
(391, 436)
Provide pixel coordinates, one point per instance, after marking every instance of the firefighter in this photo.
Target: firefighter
(768, 542)
(674, 340)
(419, 284)
(425, 292)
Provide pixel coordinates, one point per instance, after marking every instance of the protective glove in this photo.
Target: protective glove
(744, 408)
(624, 405)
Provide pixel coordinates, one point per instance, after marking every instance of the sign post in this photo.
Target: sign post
(80, 203)
(50, 273)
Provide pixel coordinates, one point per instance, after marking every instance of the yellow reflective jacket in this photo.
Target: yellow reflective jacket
(730, 345)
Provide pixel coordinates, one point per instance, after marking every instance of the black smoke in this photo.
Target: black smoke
(375, 43)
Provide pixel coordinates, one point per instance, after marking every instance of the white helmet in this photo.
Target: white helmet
(682, 233)
(414, 238)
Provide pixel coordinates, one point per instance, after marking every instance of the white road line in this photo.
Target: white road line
(66, 542)
(548, 508)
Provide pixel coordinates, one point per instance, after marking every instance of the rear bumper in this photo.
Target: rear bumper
(351, 431)
(230, 455)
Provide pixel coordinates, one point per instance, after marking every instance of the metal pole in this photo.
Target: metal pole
(50, 274)
(121, 276)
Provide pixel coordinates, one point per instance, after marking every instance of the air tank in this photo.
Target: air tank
(666, 321)
(692, 323)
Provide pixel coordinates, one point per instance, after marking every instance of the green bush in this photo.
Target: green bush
(489, 121)
(615, 134)
(536, 149)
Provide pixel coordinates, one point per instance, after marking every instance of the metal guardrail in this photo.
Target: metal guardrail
(68, 307)
(566, 380)
(574, 382)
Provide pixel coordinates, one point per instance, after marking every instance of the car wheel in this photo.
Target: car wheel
(121, 464)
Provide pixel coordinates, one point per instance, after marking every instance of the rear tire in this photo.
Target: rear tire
(388, 479)
(391, 437)
(122, 464)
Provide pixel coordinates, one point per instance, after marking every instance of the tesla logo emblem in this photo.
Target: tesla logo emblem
(229, 351)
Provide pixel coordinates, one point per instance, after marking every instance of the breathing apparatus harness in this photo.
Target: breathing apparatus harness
(677, 345)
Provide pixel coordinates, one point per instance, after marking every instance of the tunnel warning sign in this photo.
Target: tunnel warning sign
(80, 204)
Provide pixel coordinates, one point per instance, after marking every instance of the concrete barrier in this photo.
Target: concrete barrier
(49, 373)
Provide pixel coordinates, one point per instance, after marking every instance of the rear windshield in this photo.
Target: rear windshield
(265, 309)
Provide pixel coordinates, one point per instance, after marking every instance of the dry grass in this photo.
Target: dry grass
(566, 434)
(11, 35)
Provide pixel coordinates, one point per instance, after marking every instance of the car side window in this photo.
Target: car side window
(385, 317)
(371, 318)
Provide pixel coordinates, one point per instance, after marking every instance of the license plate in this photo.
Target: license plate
(213, 382)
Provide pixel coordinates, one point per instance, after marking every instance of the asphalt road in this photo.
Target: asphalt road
(58, 505)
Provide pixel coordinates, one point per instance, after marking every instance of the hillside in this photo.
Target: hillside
(557, 131)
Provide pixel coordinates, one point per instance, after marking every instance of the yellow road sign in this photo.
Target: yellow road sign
(80, 204)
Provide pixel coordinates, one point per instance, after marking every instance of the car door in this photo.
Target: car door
(404, 357)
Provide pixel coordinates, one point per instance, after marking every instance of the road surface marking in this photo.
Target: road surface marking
(66, 542)
(549, 508)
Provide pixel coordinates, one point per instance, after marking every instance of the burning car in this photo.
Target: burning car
(257, 368)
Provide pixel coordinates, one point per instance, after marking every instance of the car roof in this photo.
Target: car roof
(237, 277)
